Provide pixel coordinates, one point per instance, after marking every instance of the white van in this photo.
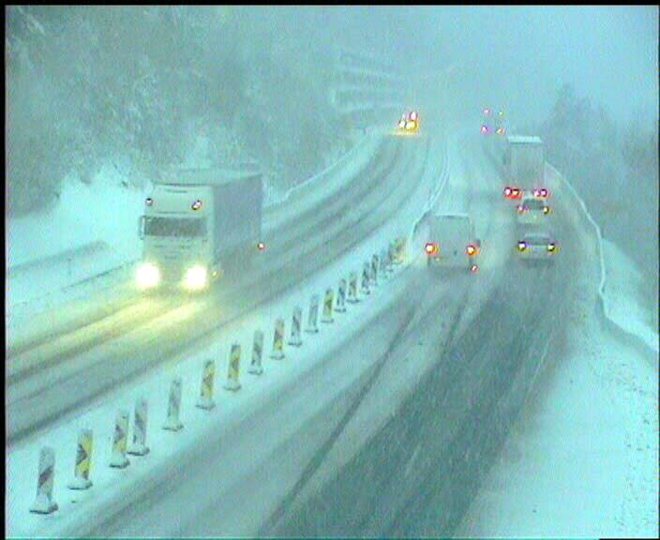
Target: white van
(452, 242)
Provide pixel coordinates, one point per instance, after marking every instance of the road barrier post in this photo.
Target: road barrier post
(364, 286)
(233, 372)
(399, 251)
(312, 319)
(390, 258)
(278, 341)
(340, 306)
(327, 306)
(206, 392)
(257, 350)
(374, 270)
(119, 441)
(83, 461)
(173, 423)
(383, 262)
(296, 340)
(352, 288)
(44, 503)
(139, 446)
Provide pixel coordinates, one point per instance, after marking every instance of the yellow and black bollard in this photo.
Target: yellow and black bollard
(257, 349)
(312, 319)
(327, 306)
(364, 286)
(233, 373)
(278, 341)
(340, 306)
(44, 503)
(173, 423)
(296, 339)
(206, 392)
(83, 461)
(120, 441)
(352, 288)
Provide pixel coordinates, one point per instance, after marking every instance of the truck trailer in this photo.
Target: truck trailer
(197, 221)
(524, 162)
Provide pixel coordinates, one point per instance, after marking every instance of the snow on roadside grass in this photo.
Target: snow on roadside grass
(104, 210)
(583, 460)
(624, 288)
(108, 483)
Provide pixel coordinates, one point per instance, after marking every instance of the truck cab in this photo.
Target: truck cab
(452, 242)
(194, 223)
(177, 238)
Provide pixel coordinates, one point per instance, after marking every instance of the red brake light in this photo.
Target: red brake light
(431, 248)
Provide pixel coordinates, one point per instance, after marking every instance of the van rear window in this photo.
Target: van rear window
(537, 240)
(163, 226)
(534, 204)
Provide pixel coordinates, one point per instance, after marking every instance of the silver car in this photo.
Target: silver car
(537, 246)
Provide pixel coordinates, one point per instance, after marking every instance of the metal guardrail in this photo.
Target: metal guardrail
(69, 254)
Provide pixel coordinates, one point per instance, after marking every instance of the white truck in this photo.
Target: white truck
(195, 222)
(452, 242)
(524, 161)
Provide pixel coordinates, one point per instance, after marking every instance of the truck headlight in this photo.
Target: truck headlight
(148, 276)
(196, 278)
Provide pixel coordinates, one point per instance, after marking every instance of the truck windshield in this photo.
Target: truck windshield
(163, 226)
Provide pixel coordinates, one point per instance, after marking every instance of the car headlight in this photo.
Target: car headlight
(148, 276)
(196, 278)
(522, 245)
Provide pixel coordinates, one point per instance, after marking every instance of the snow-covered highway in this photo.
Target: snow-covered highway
(383, 424)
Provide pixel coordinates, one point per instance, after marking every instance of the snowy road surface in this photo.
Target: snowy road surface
(383, 424)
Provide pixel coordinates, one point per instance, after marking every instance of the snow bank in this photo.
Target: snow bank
(106, 210)
(590, 436)
(614, 315)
